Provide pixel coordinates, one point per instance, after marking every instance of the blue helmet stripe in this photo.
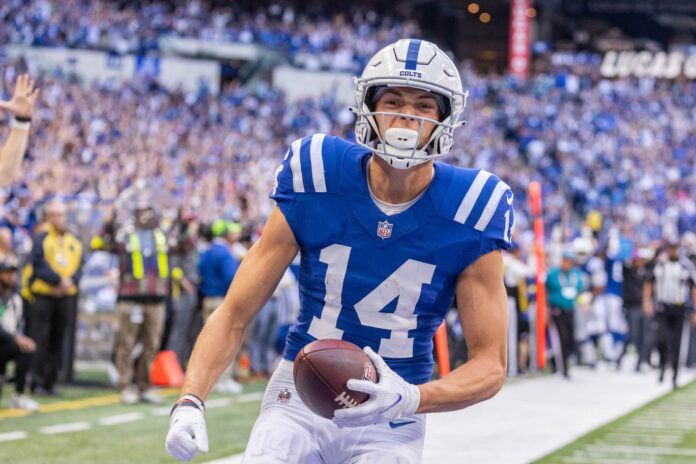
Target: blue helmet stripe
(412, 54)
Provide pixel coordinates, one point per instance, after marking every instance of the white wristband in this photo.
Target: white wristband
(24, 126)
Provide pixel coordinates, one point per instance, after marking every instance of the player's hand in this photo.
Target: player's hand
(25, 344)
(187, 434)
(24, 97)
(391, 398)
(648, 309)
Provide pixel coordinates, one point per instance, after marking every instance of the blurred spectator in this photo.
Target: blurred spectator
(563, 285)
(517, 273)
(14, 345)
(56, 267)
(597, 342)
(143, 255)
(671, 284)
(21, 106)
(184, 295)
(288, 307)
(690, 243)
(233, 239)
(635, 273)
(217, 268)
(265, 327)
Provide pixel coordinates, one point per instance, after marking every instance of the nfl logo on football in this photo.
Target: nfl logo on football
(384, 229)
(369, 371)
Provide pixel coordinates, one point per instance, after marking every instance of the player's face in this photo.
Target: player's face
(407, 101)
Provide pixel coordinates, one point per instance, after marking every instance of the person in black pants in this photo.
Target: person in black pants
(56, 260)
(14, 345)
(634, 275)
(563, 286)
(673, 280)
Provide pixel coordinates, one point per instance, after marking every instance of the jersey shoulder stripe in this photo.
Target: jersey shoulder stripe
(476, 198)
(492, 204)
(317, 162)
(312, 165)
(296, 167)
(473, 193)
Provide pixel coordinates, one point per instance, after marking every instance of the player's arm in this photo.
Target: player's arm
(21, 106)
(219, 341)
(648, 308)
(253, 284)
(483, 310)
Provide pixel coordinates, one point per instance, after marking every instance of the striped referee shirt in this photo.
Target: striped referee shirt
(673, 281)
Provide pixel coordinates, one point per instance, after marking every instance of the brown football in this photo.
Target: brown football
(321, 371)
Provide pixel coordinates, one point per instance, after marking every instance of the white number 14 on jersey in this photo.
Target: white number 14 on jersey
(405, 284)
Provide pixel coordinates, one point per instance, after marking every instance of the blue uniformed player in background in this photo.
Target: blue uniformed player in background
(386, 237)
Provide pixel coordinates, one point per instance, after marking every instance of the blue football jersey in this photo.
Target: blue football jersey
(614, 271)
(378, 280)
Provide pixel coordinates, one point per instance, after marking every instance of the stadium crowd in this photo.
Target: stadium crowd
(628, 156)
(611, 155)
(308, 36)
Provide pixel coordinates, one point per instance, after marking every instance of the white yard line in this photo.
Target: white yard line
(11, 436)
(121, 418)
(648, 427)
(665, 422)
(621, 439)
(582, 459)
(640, 433)
(158, 412)
(248, 397)
(218, 403)
(65, 428)
(642, 450)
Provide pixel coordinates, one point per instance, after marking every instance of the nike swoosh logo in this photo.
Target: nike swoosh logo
(509, 198)
(396, 425)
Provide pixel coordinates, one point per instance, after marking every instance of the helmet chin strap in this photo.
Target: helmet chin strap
(399, 148)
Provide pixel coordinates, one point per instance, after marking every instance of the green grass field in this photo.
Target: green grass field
(117, 433)
(661, 432)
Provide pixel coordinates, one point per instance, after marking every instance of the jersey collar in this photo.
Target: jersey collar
(403, 223)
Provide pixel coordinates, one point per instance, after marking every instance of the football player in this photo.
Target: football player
(386, 237)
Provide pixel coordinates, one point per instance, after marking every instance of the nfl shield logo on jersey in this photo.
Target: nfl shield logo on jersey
(384, 229)
(284, 396)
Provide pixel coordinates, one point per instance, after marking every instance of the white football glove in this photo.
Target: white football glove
(187, 434)
(391, 398)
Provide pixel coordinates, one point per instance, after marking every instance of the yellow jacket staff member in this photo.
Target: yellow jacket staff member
(56, 261)
(56, 257)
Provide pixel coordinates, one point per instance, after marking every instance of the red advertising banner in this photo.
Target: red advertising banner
(519, 46)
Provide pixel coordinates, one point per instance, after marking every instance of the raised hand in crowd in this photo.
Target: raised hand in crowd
(21, 105)
(23, 99)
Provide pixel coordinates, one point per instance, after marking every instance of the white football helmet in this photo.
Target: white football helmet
(409, 63)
